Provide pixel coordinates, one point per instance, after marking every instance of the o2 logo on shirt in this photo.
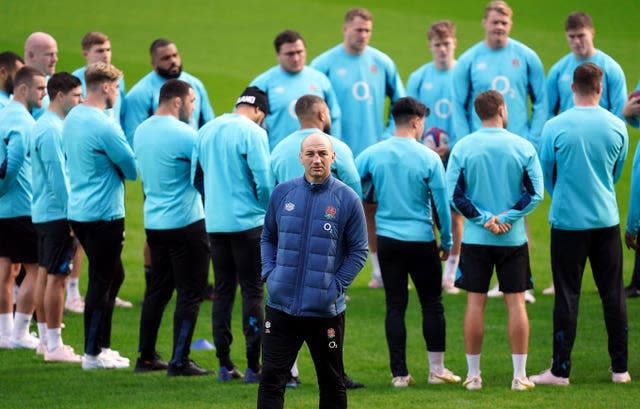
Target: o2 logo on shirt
(361, 91)
(443, 108)
(502, 84)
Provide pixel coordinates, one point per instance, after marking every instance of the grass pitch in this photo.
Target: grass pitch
(226, 44)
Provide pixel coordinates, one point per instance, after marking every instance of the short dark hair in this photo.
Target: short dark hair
(306, 104)
(93, 38)
(8, 60)
(174, 88)
(287, 36)
(62, 82)
(487, 104)
(578, 20)
(407, 108)
(586, 78)
(25, 75)
(158, 43)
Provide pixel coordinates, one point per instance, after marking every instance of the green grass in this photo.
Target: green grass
(227, 44)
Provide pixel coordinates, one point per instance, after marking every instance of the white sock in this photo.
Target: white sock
(21, 325)
(6, 325)
(375, 272)
(519, 365)
(451, 266)
(294, 369)
(473, 365)
(42, 332)
(73, 288)
(436, 361)
(54, 338)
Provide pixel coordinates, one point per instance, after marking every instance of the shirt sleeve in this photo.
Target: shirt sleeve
(440, 196)
(461, 87)
(548, 159)
(633, 214)
(15, 155)
(537, 93)
(50, 153)
(138, 107)
(553, 95)
(532, 192)
(334, 109)
(206, 113)
(119, 152)
(258, 162)
(617, 88)
(355, 239)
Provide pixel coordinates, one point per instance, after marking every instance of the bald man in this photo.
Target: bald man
(41, 53)
(320, 221)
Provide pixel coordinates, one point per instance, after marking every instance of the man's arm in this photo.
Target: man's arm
(461, 87)
(258, 162)
(617, 87)
(15, 155)
(622, 155)
(50, 154)
(138, 106)
(633, 214)
(355, 240)
(346, 167)
(119, 152)
(548, 159)
(206, 111)
(538, 95)
(532, 194)
(334, 109)
(440, 196)
(269, 241)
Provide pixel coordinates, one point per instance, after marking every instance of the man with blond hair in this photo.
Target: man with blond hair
(99, 159)
(363, 78)
(504, 64)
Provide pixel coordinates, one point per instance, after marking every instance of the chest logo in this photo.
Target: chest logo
(515, 62)
(481, 66)
(279, 89)
(330, 212)
(289, 206)
(374, 69)
(341, 72)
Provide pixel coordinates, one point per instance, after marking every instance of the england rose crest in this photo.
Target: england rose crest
(330, 212)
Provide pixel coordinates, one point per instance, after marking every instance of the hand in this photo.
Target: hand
(631, 108)
(444, 254)
(631, 241)
(495, 227)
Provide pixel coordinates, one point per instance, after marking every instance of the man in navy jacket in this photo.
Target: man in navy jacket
(314, 242)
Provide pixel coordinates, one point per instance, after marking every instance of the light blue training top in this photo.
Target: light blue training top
(493, 172)
(582, 153)
(49, 178)
(361, 83)
(233, 152)
(406, 177)
(16, 131)
(99, 159)
(516, 72)
(283, 90)
(163, 146)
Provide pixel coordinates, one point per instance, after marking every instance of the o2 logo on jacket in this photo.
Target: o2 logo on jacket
(330, 213)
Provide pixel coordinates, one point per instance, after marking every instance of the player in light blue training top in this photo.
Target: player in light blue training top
(431, 83)
(99, 159)
(41, 52)
(631, 110)
(580, 33)
(10, 63)
(582, 152)
(96, 47)
(288, 81)
(233, 154)
(56, 245)
(362, 78)
(18, 239)
(503, 64)
(142, 100)
(314, 117)
(494, 196)
(407, 178)
(174, 227)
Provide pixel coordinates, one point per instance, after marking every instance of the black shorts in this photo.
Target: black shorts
(56, 246)
(18, 240)
(511, 263)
